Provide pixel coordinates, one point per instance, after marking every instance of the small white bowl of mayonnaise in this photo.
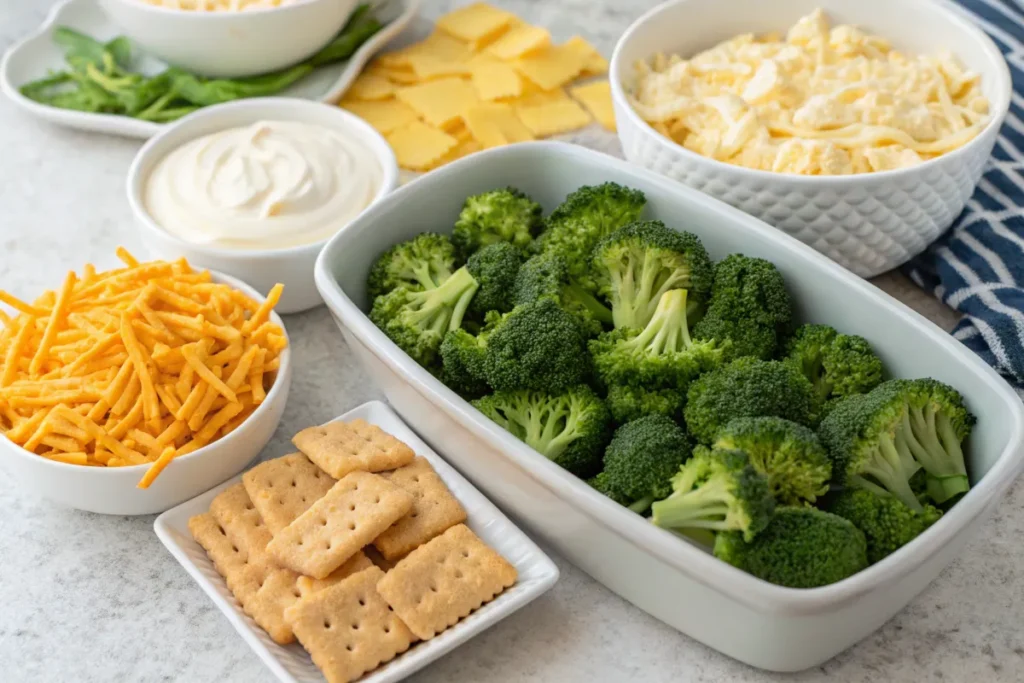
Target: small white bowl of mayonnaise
(255, 188)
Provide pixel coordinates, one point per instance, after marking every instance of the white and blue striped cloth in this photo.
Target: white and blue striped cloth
(977, 267)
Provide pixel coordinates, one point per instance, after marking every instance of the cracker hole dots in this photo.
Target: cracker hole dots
(327, 623)
(296, 592)
(351, 526)
(415, 514)
(458, 574)
(355, 626)
(323, 522)
(377, 499)
(362, 602)
(234, 547)
(416, 479)
(387, 629)
(293, 483)
(465, 553)
(352, 506)
(349, 647)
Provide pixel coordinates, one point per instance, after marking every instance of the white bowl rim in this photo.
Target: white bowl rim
(220, 16)
(135, 182)
(677, 553)
(276, 388)
(999, 106)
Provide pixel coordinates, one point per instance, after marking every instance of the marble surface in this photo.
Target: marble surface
(91, 598)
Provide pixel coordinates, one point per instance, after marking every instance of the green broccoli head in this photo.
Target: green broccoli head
(600, 484)
(537, 346)
(627, 402)
(583, 219)
(737, 338)
(887, 523)
(636, 264)
(569, 428)
(802, 547)
(718, 490)
(463, 357)
(750, 288)
(837, 365)
(547, 276)
(747, 387)
(417, 321)
(505, 215)
(792, 457)
(878, 441)
(495, 267)
(642, 458)
(423, 262)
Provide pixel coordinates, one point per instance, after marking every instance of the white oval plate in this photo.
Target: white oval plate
(32, 57)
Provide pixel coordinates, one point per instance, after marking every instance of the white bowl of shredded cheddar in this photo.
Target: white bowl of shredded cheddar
(131, 390)
(859, 128)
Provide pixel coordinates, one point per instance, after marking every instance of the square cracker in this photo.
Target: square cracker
(357, 563)
(284, 488)
(343, 447)
(228, 559)
(434, 510)
(348, 628)
(353, 513)
(443, 581)
(235, 512)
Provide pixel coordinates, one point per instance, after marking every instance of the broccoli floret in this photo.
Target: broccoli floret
(418, 320)
(641, 460)
(636, 264)
(495, 267)
(505, 215)
(659, 358)
(802, 547)
(547, 275)
(600, 484)
(878, 441)
(887, 523)
(583, 219)
(463, 356)
(836, 364)
(537, 346)
(717, 490)
(747, 387)
(792, 457)
(570, 429)
(627, 402)
(423, 262)
(749, 306)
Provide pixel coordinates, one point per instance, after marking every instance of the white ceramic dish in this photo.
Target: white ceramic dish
(30, 58)
(868, 223)
(768, 626)
(263, 268)
(231, 44)
(291, 664)
(113, 490)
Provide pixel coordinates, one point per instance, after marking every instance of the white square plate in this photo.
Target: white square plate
(291, 664)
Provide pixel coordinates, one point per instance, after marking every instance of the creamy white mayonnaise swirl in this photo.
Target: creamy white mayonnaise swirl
(269, 185)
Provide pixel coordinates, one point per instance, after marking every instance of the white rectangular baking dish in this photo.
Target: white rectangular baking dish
(764, 625)
(291, 664)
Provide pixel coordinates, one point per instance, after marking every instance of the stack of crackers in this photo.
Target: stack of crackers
(483, 79)
(354, 546)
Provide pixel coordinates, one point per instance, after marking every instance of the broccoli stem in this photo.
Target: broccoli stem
(887, 468)
(591, 303)
(442, 309)
(640, 506)
(667, 332)
(938, 450)
(705, 507)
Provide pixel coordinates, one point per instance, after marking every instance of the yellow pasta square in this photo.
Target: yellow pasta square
(593, 63)
(597, 98)
(494, 125)
(438, 44)
(384, 115)
(553, 118)
(427, 66)
(533, 96)
(440, 102)
(478, 23)
(371, 86)
(494, 81)
(417, 146)
(554, 67)
(401, 76)
(519, 41)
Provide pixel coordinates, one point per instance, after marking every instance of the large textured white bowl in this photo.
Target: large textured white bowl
(113, 490)
(869, 223)
(768, 626)
(232, 44)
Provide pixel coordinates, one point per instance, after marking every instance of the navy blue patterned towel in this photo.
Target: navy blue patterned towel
(977, 267)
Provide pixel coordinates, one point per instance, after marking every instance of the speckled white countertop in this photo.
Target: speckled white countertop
(88, 598)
